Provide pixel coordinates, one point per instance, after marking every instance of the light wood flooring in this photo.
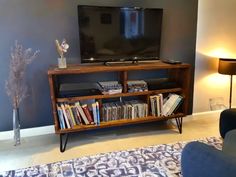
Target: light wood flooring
(45, 148)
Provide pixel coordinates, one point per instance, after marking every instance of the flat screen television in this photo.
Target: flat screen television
(119, 33)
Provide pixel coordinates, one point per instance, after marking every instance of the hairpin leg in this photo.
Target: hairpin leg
(179, 122)
(63, 145)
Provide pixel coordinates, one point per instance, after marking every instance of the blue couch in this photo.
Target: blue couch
(227, 121)
(201, 160)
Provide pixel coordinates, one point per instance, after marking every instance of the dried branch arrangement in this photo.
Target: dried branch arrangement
(16, 87)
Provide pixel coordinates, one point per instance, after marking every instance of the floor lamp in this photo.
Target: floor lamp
(227, 66)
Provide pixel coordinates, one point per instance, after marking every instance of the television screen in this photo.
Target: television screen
(119, 33)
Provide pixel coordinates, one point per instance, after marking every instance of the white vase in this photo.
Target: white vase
(62, 62)
(16, 126)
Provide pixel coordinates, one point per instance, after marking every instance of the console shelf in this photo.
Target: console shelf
(178, 73)
(73, 99)
(119, 123)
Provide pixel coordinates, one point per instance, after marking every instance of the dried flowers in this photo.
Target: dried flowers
(15, 85)
(61, 48)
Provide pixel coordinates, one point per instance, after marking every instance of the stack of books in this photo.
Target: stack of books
(137, 86)
(110, 87)
(165, 107)
(124, 110)
(71, 115)
(171, 103)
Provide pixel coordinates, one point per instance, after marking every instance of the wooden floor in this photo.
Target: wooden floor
(45, 149)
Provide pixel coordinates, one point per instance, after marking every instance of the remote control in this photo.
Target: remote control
(171, 61)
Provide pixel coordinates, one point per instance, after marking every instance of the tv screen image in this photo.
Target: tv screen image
(119, 33)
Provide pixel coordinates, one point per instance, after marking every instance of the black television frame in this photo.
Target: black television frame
(127, 59)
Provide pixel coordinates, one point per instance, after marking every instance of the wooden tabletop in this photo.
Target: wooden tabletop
(81, 68)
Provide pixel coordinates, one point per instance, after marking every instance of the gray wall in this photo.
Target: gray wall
(36, 24)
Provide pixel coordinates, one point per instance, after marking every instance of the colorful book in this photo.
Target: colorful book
(98, 113)
(61, 117)
(65, 116)
(77, 104)
(94, 110)
(175, 105)
(71, 115)
(73, 109)
(161, 103)
(169, 103)
(87, 113)
(78, 115)
(158, 111)
(153, 107)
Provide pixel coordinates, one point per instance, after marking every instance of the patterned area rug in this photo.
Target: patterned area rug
(153, 161)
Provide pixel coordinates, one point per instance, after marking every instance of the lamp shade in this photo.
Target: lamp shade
(227, 66)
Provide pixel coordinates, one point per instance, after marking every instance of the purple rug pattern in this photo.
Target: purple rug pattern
(152, 161)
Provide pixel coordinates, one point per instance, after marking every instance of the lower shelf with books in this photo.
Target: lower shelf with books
(94, 114)
(115, 123)
(65, 132)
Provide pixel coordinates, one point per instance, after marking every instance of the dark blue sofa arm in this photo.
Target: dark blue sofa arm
(227, 121)
(229, 146)
(201, 160)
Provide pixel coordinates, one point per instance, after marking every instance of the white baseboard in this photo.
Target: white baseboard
(6, 135)
(50, 129)
(207, 112)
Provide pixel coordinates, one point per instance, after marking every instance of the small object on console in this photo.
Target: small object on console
(172, 61)
(160, 83)
(78, 89)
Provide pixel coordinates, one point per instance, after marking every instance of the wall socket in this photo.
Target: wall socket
(217, 103)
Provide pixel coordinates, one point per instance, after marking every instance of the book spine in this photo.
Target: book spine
(175, 105)
(61, 118)
(98, 113)
(78, 115)
(65, 116)
(161, 103)
(158, 112)
(71, 114)
(152, 106)
(109, 111)
(77, 104)
(146, 109)
(125, 111)
(87, 113)
(179, 104)
(169, 103)
(104, 112)
(94, 110)
(73, 109)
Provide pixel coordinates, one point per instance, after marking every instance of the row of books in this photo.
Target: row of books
(74, 114)
(71, 115)
(164, 106)
(124, 110)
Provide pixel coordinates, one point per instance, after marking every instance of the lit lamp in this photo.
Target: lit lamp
(227, 66)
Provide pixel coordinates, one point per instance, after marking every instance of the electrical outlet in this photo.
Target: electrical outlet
(217, 103)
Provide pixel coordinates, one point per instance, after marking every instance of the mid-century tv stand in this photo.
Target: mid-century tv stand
(179, 73)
